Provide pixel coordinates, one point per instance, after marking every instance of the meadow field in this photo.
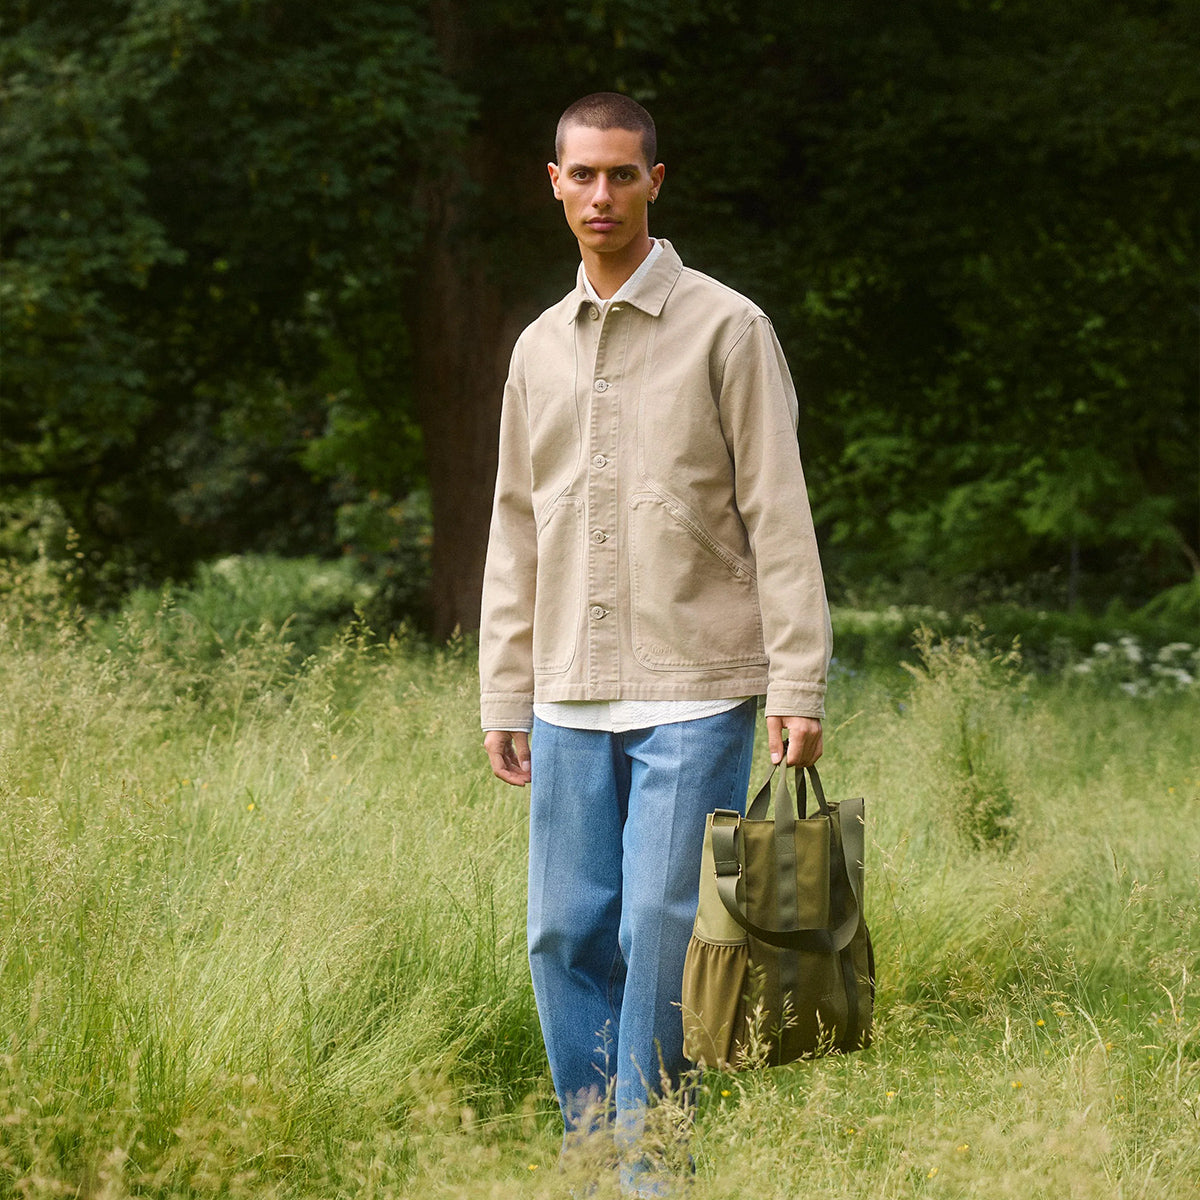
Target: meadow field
(262, 933)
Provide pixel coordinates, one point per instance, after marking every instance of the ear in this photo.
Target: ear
(657, 174)
(553, 169)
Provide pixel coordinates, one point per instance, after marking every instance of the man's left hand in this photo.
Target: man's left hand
(804, 742)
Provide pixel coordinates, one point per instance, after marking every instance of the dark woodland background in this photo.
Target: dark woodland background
(264, 262)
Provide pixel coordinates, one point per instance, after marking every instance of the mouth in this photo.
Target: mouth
(602, 224)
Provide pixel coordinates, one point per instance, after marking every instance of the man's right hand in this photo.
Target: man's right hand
(509, 755)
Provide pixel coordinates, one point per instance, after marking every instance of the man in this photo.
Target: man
(651, 571)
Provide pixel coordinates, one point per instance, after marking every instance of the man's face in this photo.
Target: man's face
(605, 185)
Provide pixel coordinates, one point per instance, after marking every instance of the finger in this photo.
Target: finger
(521, 752)
(775, 738)
(805, 746)
(796, 748)
(510, 774)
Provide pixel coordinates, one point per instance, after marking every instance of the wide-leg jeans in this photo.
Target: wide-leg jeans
(616, 834)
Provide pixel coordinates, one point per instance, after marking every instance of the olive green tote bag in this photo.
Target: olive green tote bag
(780, 964)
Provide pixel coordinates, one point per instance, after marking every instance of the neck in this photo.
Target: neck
(607, 272)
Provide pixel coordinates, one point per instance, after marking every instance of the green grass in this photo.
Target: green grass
(262, 932)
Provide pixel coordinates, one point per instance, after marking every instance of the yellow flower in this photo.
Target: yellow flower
(1016, 1083)
(533, 1166)
(250, 806)
(1040, 1021)
(964, 1147)
(726, 1092)
(932, 1172)
(891, 1095)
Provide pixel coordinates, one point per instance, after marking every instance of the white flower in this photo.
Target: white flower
(1174, 650)
(1133, 652)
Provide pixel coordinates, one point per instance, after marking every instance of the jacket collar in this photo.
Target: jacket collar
(650, 295)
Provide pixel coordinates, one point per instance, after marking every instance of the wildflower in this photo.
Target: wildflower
(964, 1147)
(1040, 1022)
(726, 1092)
(250, 806)
(1016, 1083)
(533, 1166)
(1171, 649)
(1133, 652)
(932, 1172)
(891, 1095)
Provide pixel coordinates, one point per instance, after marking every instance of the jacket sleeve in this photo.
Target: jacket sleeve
(510, 573)
(759, 415)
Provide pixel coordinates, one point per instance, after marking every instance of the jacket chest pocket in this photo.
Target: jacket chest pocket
(694, 604)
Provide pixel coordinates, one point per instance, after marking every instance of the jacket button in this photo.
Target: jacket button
(601, 385)
(598, 613)
(598, 460)
(598, 536)
(593, 313)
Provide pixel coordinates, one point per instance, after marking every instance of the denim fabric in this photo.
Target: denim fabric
(616, 833)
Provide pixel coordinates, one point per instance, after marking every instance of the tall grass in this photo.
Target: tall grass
(262, 934)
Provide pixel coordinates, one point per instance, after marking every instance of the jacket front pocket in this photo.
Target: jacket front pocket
(695, 604)
(560, 593)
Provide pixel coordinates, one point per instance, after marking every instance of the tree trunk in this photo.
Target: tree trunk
(465, 333)
(471, 303)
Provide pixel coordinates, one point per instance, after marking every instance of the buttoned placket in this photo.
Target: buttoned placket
(602, 349)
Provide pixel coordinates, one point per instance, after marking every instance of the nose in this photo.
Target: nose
(600, 197)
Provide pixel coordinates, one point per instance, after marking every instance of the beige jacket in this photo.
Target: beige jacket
(651, 537)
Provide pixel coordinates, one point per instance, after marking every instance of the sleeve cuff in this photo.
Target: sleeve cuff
(795, 700)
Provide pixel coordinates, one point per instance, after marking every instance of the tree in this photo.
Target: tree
(245, 175)
(262, 256)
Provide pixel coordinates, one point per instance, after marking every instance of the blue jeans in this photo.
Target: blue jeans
(616, 833)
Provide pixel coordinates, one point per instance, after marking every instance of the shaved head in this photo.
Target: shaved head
(609, 110)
